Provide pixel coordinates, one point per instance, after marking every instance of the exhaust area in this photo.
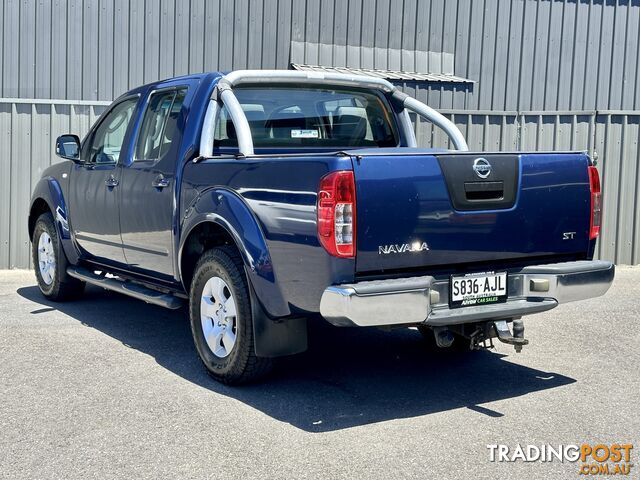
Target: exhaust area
(444, 337)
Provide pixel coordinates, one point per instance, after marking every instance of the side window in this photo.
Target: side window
(106, 142)
(160, 123)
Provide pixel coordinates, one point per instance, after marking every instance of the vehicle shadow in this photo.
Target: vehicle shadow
(348, 377)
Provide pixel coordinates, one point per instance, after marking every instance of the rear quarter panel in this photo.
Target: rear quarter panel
(280, 193)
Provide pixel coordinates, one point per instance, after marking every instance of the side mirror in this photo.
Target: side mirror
(68, 146)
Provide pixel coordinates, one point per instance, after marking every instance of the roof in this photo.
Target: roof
(386, 74)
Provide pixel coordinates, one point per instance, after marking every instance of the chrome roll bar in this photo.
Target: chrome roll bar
(435, 117)
(223, 94)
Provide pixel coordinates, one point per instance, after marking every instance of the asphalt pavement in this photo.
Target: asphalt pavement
(109, 387)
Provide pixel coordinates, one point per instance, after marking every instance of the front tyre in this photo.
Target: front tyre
(50, 262)
(221, 319)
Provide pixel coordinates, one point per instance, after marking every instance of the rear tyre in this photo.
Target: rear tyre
(50, 262)
(221, 319)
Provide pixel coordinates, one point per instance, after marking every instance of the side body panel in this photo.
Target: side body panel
(270, 205)
(94, 207)
(94, 190)
(148, 211)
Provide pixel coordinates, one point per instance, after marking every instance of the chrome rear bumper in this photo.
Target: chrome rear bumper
(425, 299)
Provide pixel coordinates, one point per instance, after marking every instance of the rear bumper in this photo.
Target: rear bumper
(425, 299)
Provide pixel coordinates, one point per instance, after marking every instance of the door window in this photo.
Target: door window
(159, 126)
(106, 142)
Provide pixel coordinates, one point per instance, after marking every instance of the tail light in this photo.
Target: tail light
(337, 213)
(596, 203)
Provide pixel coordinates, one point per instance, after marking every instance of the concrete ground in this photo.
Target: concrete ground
(109, 387)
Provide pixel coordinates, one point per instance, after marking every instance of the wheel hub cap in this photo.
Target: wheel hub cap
(218, 317)
(46, 258)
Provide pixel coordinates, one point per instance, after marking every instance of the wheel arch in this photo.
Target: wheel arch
(38, 206)
(224, 218)
(48, 197)
(272, 338)
(202, 236)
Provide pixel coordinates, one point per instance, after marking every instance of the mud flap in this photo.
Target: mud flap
(276, 338)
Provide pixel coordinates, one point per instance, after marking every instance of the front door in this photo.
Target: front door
(148, 185)
(95, 181)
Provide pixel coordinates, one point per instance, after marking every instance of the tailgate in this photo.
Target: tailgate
(423, 210)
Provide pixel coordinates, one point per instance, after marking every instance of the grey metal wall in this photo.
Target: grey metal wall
(524, 54)
(550, 74)
(27, 133)
(613, 134)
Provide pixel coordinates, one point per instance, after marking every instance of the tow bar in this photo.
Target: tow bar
(504, 334)
(499, 329)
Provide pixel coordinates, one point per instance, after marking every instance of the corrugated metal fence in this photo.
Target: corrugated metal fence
(524, 54)
(612, 135)
(28, 130)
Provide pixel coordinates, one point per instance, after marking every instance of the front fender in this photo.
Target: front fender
(227, 209)
(49, 190)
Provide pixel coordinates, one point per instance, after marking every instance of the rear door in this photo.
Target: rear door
(421, 210)
(148, 184)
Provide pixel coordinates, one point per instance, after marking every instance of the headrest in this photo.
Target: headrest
(154, 131)
(256, 119)
(282, 123)
(350, 123)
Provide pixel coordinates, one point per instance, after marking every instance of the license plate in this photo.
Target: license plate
(475, 289)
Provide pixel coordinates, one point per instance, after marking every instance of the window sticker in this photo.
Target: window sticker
(310, 133)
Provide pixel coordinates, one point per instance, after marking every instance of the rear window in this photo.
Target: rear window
(311, 117)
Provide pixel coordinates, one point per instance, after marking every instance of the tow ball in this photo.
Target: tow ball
(482, 338)
(504, 334)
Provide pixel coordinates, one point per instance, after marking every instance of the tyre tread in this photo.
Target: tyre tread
(249, 366)
(65, 287)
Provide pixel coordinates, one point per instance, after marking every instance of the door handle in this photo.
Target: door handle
(160, 182)
(111, 182)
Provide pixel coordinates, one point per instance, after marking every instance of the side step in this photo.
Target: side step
(126, 287)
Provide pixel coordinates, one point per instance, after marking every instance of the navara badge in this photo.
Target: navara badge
(414, 247)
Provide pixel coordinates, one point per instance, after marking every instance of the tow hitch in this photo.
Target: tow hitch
(482, 337)
(504, 334)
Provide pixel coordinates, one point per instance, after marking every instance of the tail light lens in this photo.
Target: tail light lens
(337, 213)
(596, 203)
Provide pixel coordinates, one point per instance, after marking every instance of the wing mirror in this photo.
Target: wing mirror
(68, 146)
